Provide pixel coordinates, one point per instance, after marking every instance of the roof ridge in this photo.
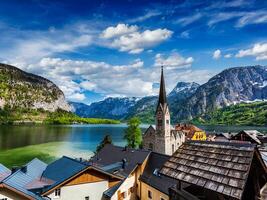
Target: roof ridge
(232, 143)
(161, 154)
(75, 160)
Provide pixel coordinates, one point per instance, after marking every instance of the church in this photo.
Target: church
(163, 138)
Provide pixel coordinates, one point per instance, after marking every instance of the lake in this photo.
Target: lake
(76, 140)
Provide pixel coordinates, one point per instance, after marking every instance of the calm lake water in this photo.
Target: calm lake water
(77, 140)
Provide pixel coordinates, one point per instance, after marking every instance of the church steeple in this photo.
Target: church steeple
(162, 90)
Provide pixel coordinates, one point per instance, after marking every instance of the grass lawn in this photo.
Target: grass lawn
(20, 156)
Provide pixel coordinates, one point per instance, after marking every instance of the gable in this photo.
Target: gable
(150, 131)
(90, 176)
(11, 193)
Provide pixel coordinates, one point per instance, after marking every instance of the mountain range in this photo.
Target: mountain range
(20, 90)
(188, 100)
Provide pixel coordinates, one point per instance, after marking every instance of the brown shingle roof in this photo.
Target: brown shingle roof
(218, 166)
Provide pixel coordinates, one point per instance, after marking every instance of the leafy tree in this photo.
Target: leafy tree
(106, 140)
(133, 133)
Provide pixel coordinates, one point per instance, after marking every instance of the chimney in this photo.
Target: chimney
(14, 169)
(24, 169)
(124, 163)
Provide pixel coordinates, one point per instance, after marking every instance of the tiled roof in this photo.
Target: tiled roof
(222, 167)
(4, 172)
(264, 156)
(253, 134)
(111, 191)
(151, 177)
(62, 169)
(19, 179)
(111, 154)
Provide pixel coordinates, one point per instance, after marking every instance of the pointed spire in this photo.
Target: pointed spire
(162, 91)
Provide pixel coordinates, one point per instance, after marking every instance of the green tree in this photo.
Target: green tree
(133, 133)
(106, 140)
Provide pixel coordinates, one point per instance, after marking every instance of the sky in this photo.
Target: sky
(98, 49)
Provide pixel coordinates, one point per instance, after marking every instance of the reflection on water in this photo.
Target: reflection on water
(79, 138)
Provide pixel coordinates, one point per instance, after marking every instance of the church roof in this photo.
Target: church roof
(162, 90)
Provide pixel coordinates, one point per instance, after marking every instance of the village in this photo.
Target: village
(180, 162)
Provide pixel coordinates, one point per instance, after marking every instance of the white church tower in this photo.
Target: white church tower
(161, 138)
(163, 124)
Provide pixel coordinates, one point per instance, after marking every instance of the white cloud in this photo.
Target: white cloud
(257, 17)
(133, 79)
(259, 50)
(77, 97)
(243, 18)
(134, 41)
(217, 54)
(30, 46)
(118, 30)
(229, 4)
(228, 55)
(185, 35)
(189, 20)
(173, 61)
(223, 16)
(148, 15)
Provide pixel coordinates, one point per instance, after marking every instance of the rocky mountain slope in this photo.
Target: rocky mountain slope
(231, 86)
(115, 108)
(19, 89)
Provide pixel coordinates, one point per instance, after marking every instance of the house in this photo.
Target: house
(216, 170)
(14, 184)
(74, 179)
(223, 137)
(154, 185)
(191, 131)
(125, 162)
(248, 135)
(163, 138)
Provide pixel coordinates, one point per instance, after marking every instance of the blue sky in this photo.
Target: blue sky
(96, 49)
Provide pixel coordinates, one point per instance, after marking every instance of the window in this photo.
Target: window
(173, 148)
(86, 198)
(132, 189)
(161, 198)
(3, 199)
(159, 122)
(167, 121)
(57, 192)
(124, 195)
(150, 147)
(149, 194)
